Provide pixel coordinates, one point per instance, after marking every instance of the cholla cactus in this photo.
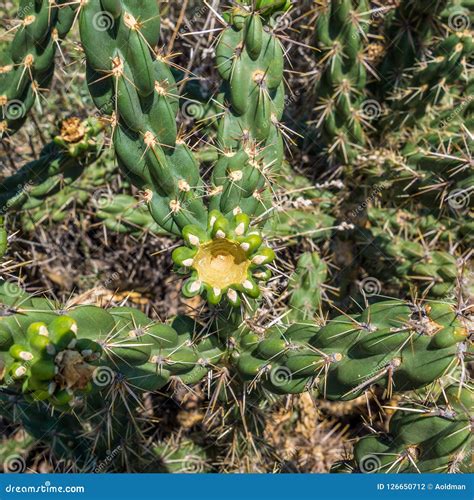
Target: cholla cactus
(130, 81)
(181, 456)
(56, 208)
(124, 79)
(399, 346)
(306, 287)
(77, 376)
(341, 28)
(422, 437)
(249, 134)
(27, 68)
(124, 214)
(60, 163)
(432, 80)
(48, 354)
(409, 30)
(394, 252)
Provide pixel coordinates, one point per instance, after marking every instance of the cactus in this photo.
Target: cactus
(249, 134)
(27, 67)
(60, 163)
(59, 357)
(13, 451)
(124, 214)
(430, 165)
(425, 437)
(408, 31)
(396, 345)
(132, 82)
(181, 456)
(431, 80)
(306, 287)
(303, 210)
(394, 252)
(148, 147)
(341, 28)
(3, 238)
(56, 208)
(98, 383)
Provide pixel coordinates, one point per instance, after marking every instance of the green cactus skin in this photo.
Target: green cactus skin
(181, 456)
(430, 81)
(56, 208)
(123, 214)
(426, 60)
(60, 163)
(433, 437)
(393, 252)
(394, 344)
(131, 82)
(27, 68)
(340, 32)
(305, 287)
(304, 210)
(250, 61)
(410, 28)
(13, 450)
(228, 259)
(432, 164)
(3, 238)
(60, 357)
(267, 7)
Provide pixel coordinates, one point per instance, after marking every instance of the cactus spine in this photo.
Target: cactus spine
(341, 28)
(3, 238)
(426, 437)
(131, 82)
(152, 155)
(249, 137)
(60, 163)
(26, 69)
